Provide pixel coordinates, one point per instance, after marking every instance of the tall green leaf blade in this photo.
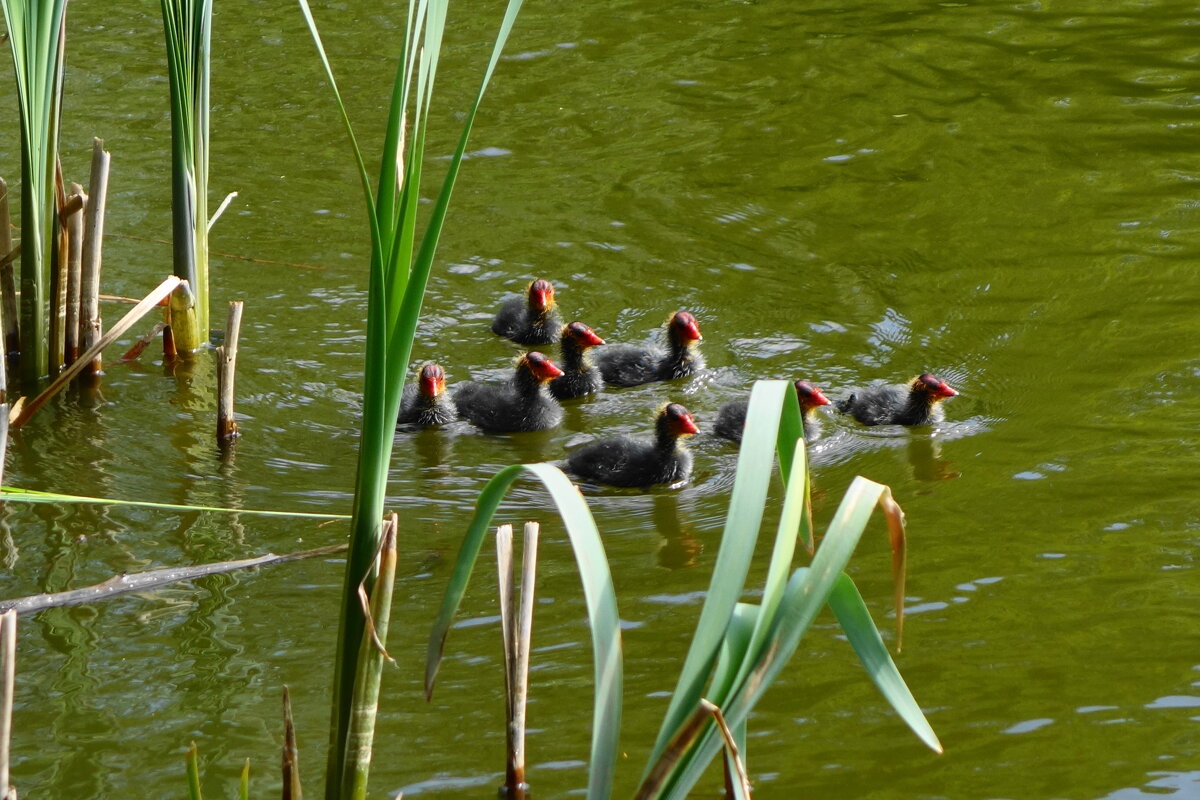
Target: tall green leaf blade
(423, 262)
(599, 596)
(749, 496)
(855, 619)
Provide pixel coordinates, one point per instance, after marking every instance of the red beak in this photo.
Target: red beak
(432, 383)
(816, 399)
(543, 368)
(945, 391)
(541, 295)
(590, 339)
(687, 424)
(688, 326)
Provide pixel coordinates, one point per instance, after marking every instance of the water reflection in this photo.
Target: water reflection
(925, 458)
(678, 545)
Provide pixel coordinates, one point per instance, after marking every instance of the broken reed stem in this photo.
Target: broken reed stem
(291, 754)
(58, 274)
(181, 316)
(89, 289)
(8, 662)
(93, 353)
(74, 273)
(524, 635)
(8, 280)
(504, 573)
(516, 623)
(227, 429)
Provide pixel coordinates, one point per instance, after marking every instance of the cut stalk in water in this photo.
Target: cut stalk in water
(183, 318)
(64, 208)
(516, 617)
(291, 754)
(8, 281)
(74, 229)
(227, 428)
(93, 242)
(8, 662)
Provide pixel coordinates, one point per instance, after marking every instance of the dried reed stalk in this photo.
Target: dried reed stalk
(74, 274)
(516, 623)
(8, 662)
(291, 754)
(227, 428)
(89, 299)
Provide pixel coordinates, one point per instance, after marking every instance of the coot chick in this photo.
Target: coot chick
(522, 404)
(731, 417)
(916, 403)
(532, 319)
(580, 375)
(626, 461)
(426, 402)
(632, 365)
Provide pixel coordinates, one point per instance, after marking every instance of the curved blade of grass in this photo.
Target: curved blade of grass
(598, 594)
(807, 591)
(766, 415)
(12, 494)
(855, 619)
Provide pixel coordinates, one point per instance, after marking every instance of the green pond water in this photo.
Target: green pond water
(1001, 193)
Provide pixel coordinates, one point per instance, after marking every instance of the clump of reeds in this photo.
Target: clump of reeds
(738, 649)
(37, 39)
(187, 25)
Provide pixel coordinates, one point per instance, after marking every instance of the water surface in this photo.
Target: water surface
(1000, 193)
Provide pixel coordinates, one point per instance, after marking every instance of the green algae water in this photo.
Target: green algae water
(1000, 193)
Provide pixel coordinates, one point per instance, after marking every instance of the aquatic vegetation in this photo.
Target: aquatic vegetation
(399, 271)
(37, 38)
(738, 648)
(187, 25)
